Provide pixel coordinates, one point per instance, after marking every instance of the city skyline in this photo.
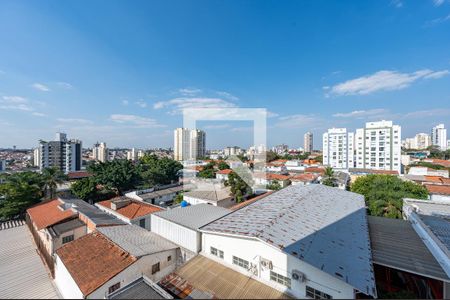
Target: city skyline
(97, 76)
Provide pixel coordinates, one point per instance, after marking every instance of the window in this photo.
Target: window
(169, 258)
(67, 239)
(240, 262)
(280, 279)
(142, 223)
(216, 252)
(315, 294)
(155, 268)
(114, 288)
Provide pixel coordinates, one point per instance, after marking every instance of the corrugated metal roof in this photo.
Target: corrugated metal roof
(396, 244)
(141, 289)
(428, 207)
(215, 195)
(440, 227)
(22, 272)
(323, 226)
(194, 216)
(136, 240)
(67, 226)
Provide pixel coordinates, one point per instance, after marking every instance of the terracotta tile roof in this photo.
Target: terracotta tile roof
(92, 260)
(438, 189)
(315, 170)
(225, 172)
(78, 174)
(49, 213)
(133, 210)
(437, 179)
(441, 162)
(304, 177)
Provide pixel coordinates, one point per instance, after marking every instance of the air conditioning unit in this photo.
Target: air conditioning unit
(299, 276)
(265, 263)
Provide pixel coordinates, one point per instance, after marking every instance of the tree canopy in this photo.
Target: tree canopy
(158, 171)
(384, 193)
(239, 188)
(329, 177)
(274, 186)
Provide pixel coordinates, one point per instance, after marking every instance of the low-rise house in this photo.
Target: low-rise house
(299, 242)
(439, 162)
(425, 171)
(181, 225)
(222, 175)
(342, 180)
(304, 179)
(161, 196)
(100, 263)
(295, 165)
(77, 175)
(130, 211)
(265, 179)
(53, 225)
(438, 192)
(217, 196)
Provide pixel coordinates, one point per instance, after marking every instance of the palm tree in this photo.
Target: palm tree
(51, 178)
(329, 178)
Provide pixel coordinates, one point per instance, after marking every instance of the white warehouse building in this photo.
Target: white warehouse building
(298, 241)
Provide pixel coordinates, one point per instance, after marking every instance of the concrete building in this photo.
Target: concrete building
(37, 157)
(189, 144)
(439, 136)
(100, 263)
(314, 249)
(308, 142)
(161, 195)
(132, 154)
(2, 165)
(62, 153)
(218, 197)
(100, 152)
(420, 141)
(229, 151)
(378, 146)
(338, 148)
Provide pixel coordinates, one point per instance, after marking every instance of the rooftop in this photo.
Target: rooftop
(306, 222)
(97, 216)
(304, 177)
(440, 227)
(371, 171)
(132, 209)
(86, 258)
(136, 240)
(48, 213)
(160, 193)
(250, 201)
(437, 189)
(202, 278)
(142, 288)
(224, 172)
(428, 207)
(395, 244)
(78, 175)
(194, 216)
(66, 226)
(215, 195)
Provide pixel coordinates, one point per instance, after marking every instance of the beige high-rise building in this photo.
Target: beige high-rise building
(132, 154)
(189, 144)
(308, 142)
(100, 152)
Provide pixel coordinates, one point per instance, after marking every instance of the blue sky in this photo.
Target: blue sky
(120, 71)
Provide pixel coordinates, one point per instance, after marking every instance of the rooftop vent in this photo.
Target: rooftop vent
(117, 204)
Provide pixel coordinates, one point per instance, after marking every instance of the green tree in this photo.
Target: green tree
(271, 156)
(158, 171)
(51, 178)
(329, 177)
(319, 158)
(85, 189)
(384, 193)
(208, 171)
(20, 191)
(222, 165)
(119, 175)
(274, 186)
(178, 198)
(239, 188)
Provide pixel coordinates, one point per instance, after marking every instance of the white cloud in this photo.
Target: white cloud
(438, 2)
(227, 95)
(444, 112)
(271, 114)
(218, 126)
(178, 104)
(298, 120)
(15, 103)
(125, 102)
(40, 87)
(65, 85)
(74, 120)
(242, 129)
(437, 21)
(383, 81)
(135, 121)
(14, 99)
(38, 114)
(189, 91)
(22, 107)
(397, 3)
(141, 103)
(362, 113)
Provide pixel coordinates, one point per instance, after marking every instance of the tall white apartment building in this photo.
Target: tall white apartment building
(132, 154)
(378, 146)
(100, 152)
(228, 151)
(189, 144)
(37, 157)
(338, 148)
(420, 142)
(308, 142)
(439, 136)
(61, 153)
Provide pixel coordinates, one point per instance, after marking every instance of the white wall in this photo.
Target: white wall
(180, 235)
(125, 219)
(283, 264)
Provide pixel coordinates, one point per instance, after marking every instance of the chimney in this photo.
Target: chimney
(117, 204)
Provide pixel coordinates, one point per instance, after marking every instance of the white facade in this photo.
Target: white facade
(255, 252)
(308, 142)
(100, 152)
(183, 236)
(2, 165)
(132, 154)
(439, 136)
(36, 157)
(62, 154)
(228, 151)
(143, 266)
(144, 221)
(189, 144)
(378, 146)
(338, 148)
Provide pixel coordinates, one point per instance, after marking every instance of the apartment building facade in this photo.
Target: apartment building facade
(338, 148)
(189, 144)
(439, 136)
(61, 153)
